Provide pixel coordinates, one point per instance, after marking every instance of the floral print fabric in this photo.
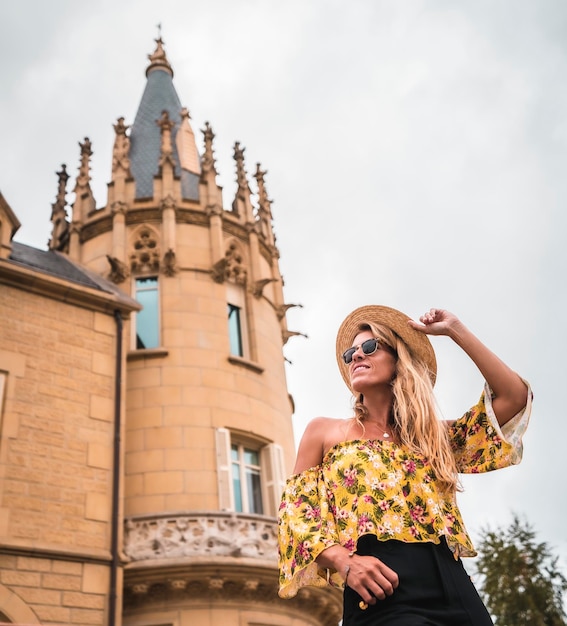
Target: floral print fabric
(381, 487)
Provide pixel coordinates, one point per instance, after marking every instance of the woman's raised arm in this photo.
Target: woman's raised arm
(510, 391)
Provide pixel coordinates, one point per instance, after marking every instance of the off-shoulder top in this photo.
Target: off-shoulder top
(380, 487)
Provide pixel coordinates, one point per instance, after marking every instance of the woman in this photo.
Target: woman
(372, 502)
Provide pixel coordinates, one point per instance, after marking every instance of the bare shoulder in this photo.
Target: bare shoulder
(320, 435)
(328, 428)
(321, 423)
(336, 430)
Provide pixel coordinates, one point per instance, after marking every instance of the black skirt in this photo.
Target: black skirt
(434, 589)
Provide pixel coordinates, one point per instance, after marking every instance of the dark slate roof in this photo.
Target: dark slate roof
(49, 262)
(58, 265)
(145, 136)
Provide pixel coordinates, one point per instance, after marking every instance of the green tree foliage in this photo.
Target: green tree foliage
(518, 578)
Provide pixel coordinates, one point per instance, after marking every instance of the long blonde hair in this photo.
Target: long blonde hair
(414, 415)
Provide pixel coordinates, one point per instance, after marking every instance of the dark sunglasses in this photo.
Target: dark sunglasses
(368, 347)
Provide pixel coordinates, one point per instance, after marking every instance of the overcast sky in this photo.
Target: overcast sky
(416, 155)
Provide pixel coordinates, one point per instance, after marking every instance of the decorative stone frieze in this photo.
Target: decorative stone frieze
(205, 534)
(212, 557)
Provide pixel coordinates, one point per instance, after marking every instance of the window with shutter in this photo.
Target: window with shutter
(251, 474)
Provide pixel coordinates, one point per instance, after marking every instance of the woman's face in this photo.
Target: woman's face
(368, 370)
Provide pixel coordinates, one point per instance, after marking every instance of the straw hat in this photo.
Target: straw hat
(418, 343)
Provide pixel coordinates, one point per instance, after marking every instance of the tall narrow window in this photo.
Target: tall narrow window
(238, 336)
(147, 320)
(235, 330)
(246, 479)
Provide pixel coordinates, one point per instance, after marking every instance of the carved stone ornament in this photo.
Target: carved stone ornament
(208, 159)
(230, 267)
(258, 287)
(213, 209)
(169, 263)
(118, 207)
(167, 203)
(159, 59)
(166, 125)
(213, 534)
(84, 176)
(146, 255)
(283, 309)
(60, 224)
(121, 149)
(241, 178)
(287, 334)
(119, 271)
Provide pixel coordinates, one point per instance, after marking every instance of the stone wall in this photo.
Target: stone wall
(56, 442)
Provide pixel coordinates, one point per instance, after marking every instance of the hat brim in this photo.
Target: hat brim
(418, 343)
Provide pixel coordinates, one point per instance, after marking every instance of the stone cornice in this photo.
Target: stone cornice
(102, 222)
(222, 585)
(192, 216)
(57, 553)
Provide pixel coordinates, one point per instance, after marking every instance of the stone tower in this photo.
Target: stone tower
(206, 441)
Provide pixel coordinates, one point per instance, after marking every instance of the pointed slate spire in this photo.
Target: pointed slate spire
(145, 136)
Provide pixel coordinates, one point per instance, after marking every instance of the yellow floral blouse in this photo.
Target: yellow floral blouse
(380, 487)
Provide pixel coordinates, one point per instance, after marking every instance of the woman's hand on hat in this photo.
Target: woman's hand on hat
(436, 322)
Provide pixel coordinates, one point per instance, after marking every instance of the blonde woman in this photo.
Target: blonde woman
(371, 506)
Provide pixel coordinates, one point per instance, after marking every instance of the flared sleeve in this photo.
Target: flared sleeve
(480, 444)
(306, 527)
